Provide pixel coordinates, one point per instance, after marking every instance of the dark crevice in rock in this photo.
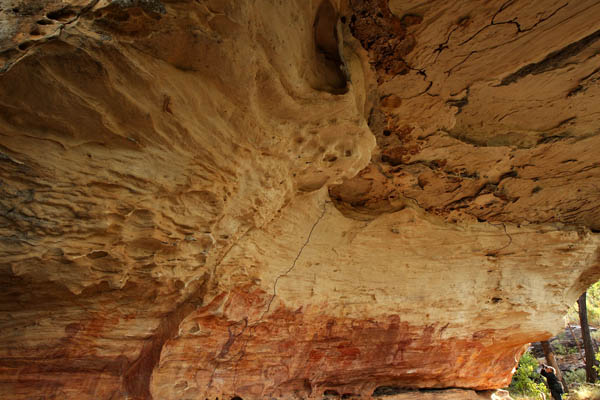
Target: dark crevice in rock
(327, 46)
(390, 391)
(155, 6)
(460, 103)
(137, 378)
(63, 14)
(554, 60)
(44, 22)
(553, 138)
(583, 84)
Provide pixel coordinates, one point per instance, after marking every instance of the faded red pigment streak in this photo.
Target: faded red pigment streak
(326, 353)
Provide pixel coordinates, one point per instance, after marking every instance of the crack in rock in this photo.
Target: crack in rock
(512, 21)
(294, 262)
(493, 23)
(252, 326)
(494, 253)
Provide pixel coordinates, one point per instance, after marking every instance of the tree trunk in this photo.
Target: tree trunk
(552, 362)
(590, 358)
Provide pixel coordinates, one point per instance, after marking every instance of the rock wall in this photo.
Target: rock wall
(205, 199)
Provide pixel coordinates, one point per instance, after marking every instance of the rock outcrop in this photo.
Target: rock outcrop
(291, 199)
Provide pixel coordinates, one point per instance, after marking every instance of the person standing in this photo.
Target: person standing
(556, 388)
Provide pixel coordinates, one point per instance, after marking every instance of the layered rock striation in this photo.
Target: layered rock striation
(205, 199)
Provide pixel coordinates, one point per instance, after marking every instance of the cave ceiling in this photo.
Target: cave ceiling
(286, 199)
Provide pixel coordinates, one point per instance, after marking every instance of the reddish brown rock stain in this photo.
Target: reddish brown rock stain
(384, 35)
(289, 346)
(232, 345)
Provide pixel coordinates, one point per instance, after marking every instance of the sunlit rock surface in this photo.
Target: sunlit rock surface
(291, 199)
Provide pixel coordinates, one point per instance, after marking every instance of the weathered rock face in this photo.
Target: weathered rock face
(206, 199)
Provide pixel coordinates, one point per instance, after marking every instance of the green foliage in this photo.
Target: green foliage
(563, 350)
(576, 376)
(593, 303)
(596, 367)
(559, 348)
(526, 381)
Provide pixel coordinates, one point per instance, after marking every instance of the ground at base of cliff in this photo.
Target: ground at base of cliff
(581, 392)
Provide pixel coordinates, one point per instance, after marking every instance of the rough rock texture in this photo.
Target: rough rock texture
(291, 199)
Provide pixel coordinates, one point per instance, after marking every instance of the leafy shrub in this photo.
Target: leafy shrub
(596, 367)
(576, 376)
(563, 350)
(560, 349)
(526, 381)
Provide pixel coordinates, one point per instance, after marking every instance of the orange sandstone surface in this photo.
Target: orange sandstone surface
(291, 199)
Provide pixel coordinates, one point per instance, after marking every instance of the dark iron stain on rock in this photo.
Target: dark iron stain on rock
(384, 35)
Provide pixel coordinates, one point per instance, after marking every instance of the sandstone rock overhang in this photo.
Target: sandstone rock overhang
(291, 199)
